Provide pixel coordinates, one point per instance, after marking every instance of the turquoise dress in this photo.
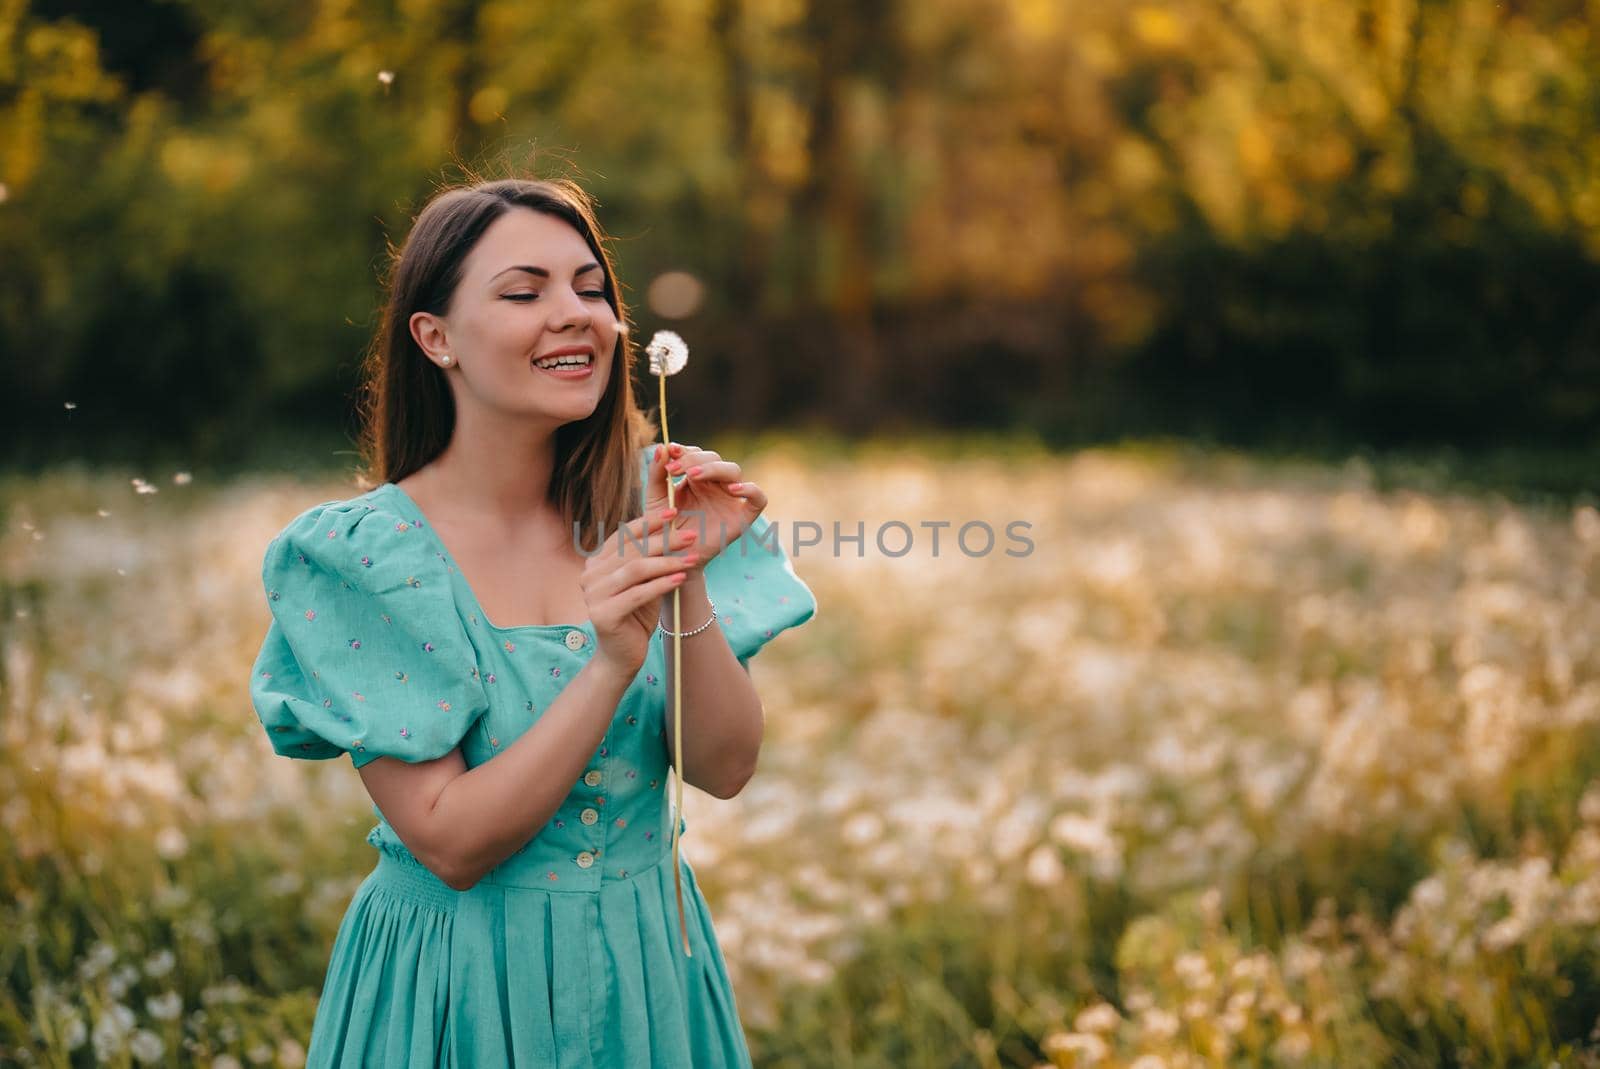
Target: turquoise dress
(568, 953)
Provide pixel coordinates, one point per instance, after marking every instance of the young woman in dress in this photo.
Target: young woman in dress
(501, 683)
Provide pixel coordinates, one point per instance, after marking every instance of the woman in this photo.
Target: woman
(497, 671)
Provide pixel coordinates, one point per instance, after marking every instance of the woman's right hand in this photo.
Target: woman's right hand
(623, 584)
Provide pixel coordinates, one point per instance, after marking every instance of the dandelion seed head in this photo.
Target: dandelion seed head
(668, 353)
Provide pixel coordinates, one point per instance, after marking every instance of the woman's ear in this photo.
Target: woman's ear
(429, 332)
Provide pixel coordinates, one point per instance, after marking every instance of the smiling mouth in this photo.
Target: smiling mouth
(571, 361)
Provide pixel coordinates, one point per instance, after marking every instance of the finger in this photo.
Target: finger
(625, 574)
(635, 530)
(714, 471)
(752, 494)
(638, 597)
(655, 486)
(626, 541)
(689, 456)
(631, 576)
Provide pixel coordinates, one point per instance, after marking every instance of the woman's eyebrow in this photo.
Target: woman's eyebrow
(542, 273)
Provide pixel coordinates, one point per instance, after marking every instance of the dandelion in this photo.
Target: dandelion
(165, 1007)
(171, 843)
(668, 354)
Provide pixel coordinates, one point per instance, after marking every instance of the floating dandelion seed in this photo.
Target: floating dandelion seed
(143, 487)
(386, 77)
(69, 405)
(668, 354)
(182, 478)
(102, 513)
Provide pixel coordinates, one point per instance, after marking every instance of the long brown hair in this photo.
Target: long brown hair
(407, 411)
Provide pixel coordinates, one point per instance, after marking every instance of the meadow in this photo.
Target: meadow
(1244, 764)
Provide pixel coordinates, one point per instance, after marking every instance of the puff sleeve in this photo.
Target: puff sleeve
(366, 653)
(756, 591)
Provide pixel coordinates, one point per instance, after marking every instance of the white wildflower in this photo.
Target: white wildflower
(1101, 1017)
(146, 1047)
(165, 1007)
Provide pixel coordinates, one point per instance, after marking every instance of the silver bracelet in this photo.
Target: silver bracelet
(696, 631)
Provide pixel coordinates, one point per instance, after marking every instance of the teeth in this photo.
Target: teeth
(578, 360)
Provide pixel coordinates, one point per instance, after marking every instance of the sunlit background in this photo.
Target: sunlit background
(1275, 321)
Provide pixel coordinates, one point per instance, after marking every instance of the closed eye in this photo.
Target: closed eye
(532, 296)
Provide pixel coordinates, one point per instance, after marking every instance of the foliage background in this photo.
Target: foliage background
(1370, 222)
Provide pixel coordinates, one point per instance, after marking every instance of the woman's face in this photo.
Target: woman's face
(530, 288)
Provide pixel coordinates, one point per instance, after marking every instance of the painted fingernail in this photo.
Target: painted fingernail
(668, 513)
(677, 450)
(695, 470)
(736, 486)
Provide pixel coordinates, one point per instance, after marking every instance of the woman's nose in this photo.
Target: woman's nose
(571, 309)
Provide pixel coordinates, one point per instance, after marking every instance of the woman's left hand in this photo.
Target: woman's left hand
(713, 501)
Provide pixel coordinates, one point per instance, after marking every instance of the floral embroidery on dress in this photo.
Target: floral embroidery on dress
(333, 534)
(366, 562)
(273, 594)
(556, 672)
(404, 733)
(443, 705)
(412, 580)
(311, 614)
(427, 647)
(355, 643)
(402, 677)
(509, 647)
(402, 526)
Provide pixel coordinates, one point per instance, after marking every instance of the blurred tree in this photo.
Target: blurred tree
(1376, 219)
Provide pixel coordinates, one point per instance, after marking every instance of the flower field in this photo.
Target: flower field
(1242, 764)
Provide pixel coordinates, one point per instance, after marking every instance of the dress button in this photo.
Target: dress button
(576, 639)
(592, 777)
(589, 816)
(585, 859)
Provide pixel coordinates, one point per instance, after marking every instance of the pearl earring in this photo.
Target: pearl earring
(446, 359)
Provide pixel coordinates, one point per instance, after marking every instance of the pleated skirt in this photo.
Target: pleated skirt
(422, 975)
